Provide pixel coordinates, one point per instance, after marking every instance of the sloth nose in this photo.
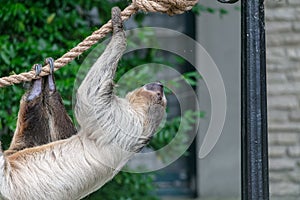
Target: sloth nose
(155, 87)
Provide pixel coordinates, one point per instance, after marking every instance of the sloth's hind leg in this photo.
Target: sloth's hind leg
(32, 124)
(60, 124)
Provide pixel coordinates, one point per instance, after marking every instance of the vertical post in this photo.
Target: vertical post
(255, 178)
(255, 169)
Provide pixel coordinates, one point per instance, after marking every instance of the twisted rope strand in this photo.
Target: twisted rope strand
(171, 7)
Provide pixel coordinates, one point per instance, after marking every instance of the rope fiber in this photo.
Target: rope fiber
(170, 7)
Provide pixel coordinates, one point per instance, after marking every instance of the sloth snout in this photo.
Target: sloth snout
(156, 87)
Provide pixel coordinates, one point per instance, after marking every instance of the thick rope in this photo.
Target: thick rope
(171, 7)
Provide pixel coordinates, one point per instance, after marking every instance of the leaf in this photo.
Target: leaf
(5, 58)
(51, 18)
(223, 12)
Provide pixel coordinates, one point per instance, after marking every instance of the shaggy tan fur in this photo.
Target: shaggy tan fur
(112, 129)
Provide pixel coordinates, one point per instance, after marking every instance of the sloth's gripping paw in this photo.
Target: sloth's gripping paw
(116, 19)
(36, 88)
(50, 61)
(50, 82)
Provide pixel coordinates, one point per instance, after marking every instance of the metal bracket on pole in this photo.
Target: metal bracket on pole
(228, 1)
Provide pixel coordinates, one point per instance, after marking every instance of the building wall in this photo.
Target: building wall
(219, 173)
(283, 65)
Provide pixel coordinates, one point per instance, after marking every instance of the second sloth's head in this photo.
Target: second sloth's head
(151, 101)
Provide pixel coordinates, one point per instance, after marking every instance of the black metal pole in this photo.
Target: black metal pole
(255, 170)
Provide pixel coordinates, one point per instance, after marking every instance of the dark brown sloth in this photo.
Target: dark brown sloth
(112, 129)
(42, 116)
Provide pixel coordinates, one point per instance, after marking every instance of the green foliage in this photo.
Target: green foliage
(127, 186)
(171, 128)
(31, 31)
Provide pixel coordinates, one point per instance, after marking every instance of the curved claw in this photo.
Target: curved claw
(36, 88)
(50, 83)
(50, 61)
(38, 69)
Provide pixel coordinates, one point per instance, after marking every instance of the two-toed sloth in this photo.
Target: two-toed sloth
(42, 116)
(112, 129)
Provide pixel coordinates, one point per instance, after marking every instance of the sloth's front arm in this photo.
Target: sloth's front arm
(95, 97)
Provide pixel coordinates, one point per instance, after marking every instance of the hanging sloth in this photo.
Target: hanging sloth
(49, 159)
(42, 117)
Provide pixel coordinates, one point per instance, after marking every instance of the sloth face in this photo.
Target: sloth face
(150, 95)
(151, 102)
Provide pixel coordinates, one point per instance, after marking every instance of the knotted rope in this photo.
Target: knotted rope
(170, 7)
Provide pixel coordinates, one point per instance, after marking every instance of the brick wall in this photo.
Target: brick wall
(283, 65)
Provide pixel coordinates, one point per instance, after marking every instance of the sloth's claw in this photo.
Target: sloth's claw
(50, 61)
(51, 83)
(38, 69)
(36, 88)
